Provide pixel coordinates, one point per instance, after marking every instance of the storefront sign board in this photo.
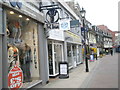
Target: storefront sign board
(69, 36)
(56, 34)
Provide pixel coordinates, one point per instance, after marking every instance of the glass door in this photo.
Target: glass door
(58, 56)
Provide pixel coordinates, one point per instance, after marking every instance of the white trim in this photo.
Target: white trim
(70, 67)
(78, 63)
(62, 52)
(54, 74)
(53, 57)
(34, 84)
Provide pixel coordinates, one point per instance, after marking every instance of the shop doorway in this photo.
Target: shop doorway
(55, 55)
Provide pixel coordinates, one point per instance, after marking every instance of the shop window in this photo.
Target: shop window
(22, 43)
(69, 55)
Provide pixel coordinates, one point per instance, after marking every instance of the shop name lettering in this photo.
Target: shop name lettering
(53, 26)
(15, 3)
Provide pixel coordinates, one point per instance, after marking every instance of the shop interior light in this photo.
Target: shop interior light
(20, 16)
(27, 19)
(11, 12)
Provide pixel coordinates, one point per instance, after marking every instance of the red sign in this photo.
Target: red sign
(15, 78)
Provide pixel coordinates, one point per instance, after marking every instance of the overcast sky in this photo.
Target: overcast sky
(101, 12)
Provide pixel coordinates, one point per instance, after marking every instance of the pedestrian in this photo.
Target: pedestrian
(92, 55)
(96, 56)
(111, 51)
(107, 52)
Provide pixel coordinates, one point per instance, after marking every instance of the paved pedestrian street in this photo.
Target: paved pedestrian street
(103, 74)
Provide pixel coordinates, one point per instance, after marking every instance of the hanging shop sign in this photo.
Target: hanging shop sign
(52, 16)
(15, 78)
(74, 23)
(64, 24)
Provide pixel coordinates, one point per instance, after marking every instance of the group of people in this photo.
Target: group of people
(94, 55)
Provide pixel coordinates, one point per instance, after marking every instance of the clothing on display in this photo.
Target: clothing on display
(15, 31)
(25, 61)
(17, 51)
(13, 56)
(8, 32)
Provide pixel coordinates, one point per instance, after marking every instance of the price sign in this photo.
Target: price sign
(15, 78)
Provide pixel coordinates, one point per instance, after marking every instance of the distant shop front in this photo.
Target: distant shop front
(74, 49)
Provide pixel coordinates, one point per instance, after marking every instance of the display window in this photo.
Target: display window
(22, 41)
(69, 55)
(78, 54)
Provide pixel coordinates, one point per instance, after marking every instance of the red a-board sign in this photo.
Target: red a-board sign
(15, 78)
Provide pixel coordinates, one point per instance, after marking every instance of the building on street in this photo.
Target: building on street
(107, 38)
(22, 42)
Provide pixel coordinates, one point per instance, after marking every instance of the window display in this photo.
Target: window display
(25, 60)
(22, 39)
(79, 55)
(69, 55)
(50, 58)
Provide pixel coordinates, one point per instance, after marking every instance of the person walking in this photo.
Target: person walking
(95, 56)
(111, 51)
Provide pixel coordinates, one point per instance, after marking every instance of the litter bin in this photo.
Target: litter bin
(63, 70)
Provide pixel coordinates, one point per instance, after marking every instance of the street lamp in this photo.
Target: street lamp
(83, 12)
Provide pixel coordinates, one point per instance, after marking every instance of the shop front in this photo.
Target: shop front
(55, 51)
(21, 45)
(74, 49)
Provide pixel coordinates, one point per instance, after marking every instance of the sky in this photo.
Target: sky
(101, 12)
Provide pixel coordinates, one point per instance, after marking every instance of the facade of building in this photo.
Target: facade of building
(107, 39)
(75, 28)
(99, 39)
(22, 42)
(92, 38)
(30, 41)
(37, 39)
(117, 38)
(63, 37)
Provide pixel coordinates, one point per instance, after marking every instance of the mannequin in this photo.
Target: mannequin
(13, 57)
(14, 31)
(25, 60)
